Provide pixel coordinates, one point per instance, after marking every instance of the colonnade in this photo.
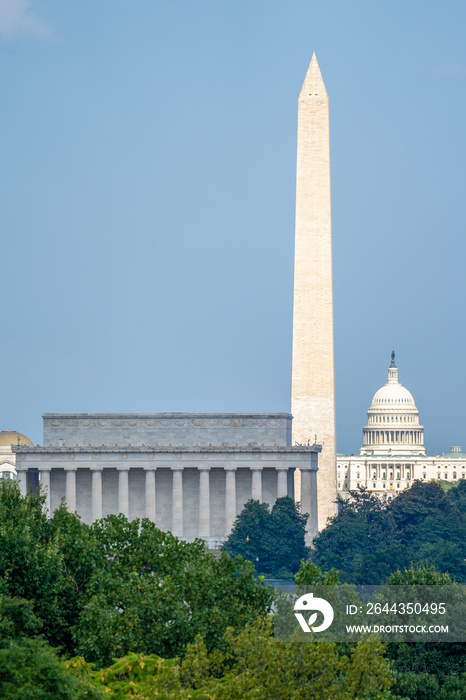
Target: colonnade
(393, 437)
(308, 498)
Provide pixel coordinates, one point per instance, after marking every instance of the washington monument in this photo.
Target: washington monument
(313, 375)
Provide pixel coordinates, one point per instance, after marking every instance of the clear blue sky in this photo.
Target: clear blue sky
(147, 176)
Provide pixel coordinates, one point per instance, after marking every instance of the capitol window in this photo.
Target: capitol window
(454, 475)
(446, 475)
(423, 476)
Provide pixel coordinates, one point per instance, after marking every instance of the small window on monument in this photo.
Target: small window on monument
(446, 475)
(374, 485)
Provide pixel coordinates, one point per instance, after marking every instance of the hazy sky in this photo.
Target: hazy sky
(147, 177)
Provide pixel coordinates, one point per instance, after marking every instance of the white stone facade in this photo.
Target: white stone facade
(189, 473)
(388, 475)
(393, 454)
(313, 376)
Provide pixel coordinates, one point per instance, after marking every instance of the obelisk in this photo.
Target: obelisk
(313, 375)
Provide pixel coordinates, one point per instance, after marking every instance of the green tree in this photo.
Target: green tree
(253, 666)
(362, 525)
(29, 668)
(368, 540)
(118, 586)
(152, 593)
(258, 667)
(31, 560)
(310, 574)
(427, 671)
(274, 540)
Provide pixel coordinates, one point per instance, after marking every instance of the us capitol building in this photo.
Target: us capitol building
(393, 455)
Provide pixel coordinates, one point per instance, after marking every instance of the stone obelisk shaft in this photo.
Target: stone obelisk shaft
(313, 380)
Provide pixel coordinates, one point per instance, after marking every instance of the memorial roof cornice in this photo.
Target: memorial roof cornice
(152, 416)
(211, 449)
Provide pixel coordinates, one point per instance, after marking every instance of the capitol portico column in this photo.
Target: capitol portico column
(230, 498)
(45, 486)
(204, 502)
(282, 485)
(96, 498)
(177, 502)
(70, 491)
(151, 508)
(256, 489)
(123, 491)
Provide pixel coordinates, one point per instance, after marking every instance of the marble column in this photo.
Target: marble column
(70, 491)
(204, 502)
(309, 501)
(256, 490)
(45, 487)
(151, 508)
(230, 498)
(123, 490)
(177, 501)
(282, 473)
(96, 498)
(21, 480)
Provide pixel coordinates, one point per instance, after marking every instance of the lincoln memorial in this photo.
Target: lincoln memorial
(189, 473)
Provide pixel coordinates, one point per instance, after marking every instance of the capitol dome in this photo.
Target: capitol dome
(393, 420)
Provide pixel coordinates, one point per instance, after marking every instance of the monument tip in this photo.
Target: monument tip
(313, 82)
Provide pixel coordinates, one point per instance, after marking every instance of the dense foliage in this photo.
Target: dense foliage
(272, 539)
(254, 666)
(148, 616)
(104, 590)
(29, 668)
(427, 671)
(368, 540)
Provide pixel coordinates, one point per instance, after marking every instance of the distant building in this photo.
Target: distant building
(7, 456)
(393, 455)
(189, 473)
